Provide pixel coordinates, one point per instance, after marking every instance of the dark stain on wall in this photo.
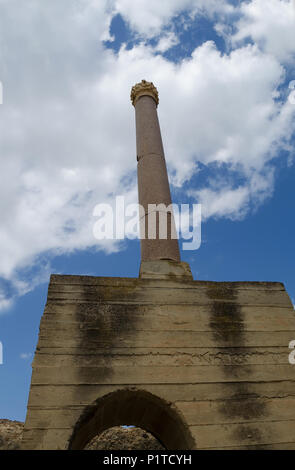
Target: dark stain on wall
(227, 324)
(105, 323)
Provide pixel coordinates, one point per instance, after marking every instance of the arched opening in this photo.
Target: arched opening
(133, 407)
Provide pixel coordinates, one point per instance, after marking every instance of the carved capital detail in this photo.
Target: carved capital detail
(142, 89)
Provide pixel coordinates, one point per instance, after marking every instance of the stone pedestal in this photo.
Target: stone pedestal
(200, 365)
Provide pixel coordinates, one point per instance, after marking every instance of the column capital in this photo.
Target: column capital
(144, 88)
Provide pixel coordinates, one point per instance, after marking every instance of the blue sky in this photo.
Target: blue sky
(67, 141)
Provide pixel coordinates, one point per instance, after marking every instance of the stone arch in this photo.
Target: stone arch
(133, 407)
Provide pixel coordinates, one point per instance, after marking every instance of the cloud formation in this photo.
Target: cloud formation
(271, 25)
(148, 18)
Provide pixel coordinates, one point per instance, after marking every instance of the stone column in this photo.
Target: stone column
(153, 184)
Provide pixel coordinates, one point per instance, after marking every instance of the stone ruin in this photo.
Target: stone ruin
(199, 365)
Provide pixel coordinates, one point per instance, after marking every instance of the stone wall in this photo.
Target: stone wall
(198, 364)
(116, 438)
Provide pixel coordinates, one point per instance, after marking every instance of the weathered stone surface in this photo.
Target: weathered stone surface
(237, 435)
(65, 395)
(10, 434)
(119, 438)
(116, 438)
(197, 364)
(165, 269)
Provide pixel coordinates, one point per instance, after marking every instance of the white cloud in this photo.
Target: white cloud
(5, 303)
(167, 41)
(67, 124)
(228, 202)
(220, 200)
(25, 356)
(223, 108)
(271, 24)
(148, 17)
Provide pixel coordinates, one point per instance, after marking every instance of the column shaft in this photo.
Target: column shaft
(153, 184)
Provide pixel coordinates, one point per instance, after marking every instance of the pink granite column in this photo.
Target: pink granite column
(153, 184)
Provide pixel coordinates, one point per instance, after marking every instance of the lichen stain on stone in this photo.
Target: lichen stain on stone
(243, 408)
(227, 324)
(248, 432)
(221, 292)
(104, 323)
(226, 319)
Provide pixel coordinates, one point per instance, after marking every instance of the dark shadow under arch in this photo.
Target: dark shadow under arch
(133, 407)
